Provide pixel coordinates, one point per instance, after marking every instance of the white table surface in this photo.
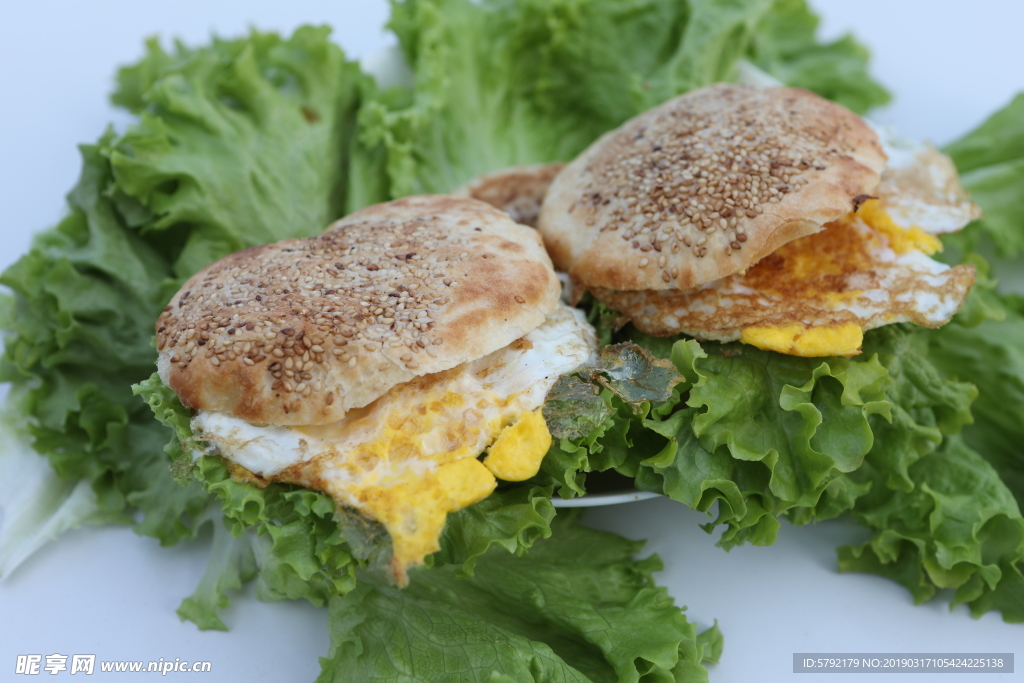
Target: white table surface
(107, 592)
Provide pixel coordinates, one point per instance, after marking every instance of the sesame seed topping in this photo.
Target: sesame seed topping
(693, 171)
(361, 283)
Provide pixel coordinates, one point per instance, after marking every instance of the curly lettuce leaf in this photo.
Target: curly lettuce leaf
(231, 564)
(768, 436)
(78, 333)
(298, 544)
(239, 143)
(37, 504)
(303, 554)
(959, 527)
(984, 301)
(501, 83)
(943, 517)
(577, 608)
(784, 45)
(765, 435)
(991, 356)
(990, 160)
(513, 518)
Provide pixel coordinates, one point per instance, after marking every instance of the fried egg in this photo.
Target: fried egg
(816, 295)
(412, 456)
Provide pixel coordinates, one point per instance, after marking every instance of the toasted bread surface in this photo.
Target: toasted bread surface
(301, 331)
(706, 185)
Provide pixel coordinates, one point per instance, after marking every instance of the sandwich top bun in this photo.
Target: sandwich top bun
(706, 185)
(301, 331)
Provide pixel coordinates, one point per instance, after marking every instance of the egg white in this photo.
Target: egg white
(920, 186)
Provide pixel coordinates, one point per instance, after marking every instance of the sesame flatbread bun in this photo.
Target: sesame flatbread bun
(706, 185)
(301, 331)
(518, 191)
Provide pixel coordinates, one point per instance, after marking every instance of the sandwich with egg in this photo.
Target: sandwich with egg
(378, 361)
(778, 250)
(764, 215)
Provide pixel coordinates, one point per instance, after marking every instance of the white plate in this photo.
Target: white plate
(593, 500)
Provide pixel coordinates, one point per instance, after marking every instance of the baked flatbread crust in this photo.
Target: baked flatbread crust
(301, 331)
(706, 185)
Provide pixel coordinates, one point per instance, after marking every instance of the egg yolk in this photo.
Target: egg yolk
(518, 451)
(414, 510)
(798, 340)
(901, 240)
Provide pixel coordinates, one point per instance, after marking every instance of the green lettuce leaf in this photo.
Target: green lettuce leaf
(298, 544)
(991, 356)
(943, 517)
(784, 45)
(37, 504)
(239, 143)
(512, 518)
(765, 435)
(230, 565)
(303, 554)
(501, 83)
(577, 608)
(959, 527)
(78, 333)
(768, 436)
(990, 160)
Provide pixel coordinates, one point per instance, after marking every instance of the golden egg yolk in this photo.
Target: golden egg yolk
(901, 240)
(796, 339)
(414, 510)
(518, 451)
